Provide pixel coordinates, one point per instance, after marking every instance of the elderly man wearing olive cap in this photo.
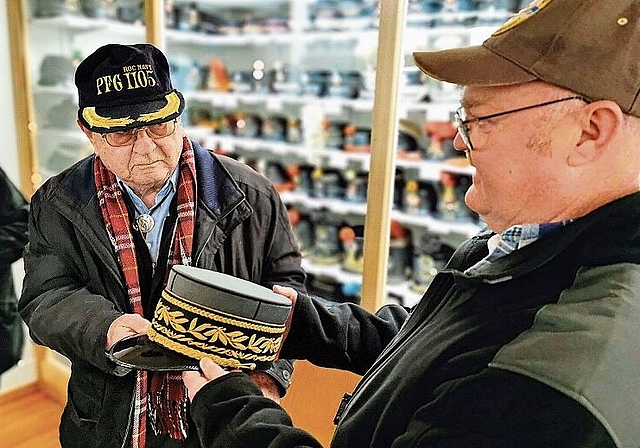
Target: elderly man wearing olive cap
(105, 233)
(529, 336)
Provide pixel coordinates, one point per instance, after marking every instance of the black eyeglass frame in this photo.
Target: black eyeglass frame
(463, 129)
(135, 132)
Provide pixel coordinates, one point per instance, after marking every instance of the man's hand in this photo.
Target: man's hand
(126, 325)
(194, 381)
(289, 293)
(266, 384)
(209, 370)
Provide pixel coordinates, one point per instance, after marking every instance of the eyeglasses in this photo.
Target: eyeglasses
(462, 124)
(128, 137)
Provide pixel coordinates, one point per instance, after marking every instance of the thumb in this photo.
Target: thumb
(286, 291)
(139, 323)
(210, 369)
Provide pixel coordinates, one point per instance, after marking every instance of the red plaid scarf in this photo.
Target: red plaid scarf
(167, 393)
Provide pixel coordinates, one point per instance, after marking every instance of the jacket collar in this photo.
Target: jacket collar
(607, 235)
(217, 189)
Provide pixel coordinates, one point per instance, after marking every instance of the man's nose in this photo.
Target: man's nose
(143, 143)
(458, 143)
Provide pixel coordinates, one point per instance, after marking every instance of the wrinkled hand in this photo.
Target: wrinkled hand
(194, 381)
(209, 370)
(126, 325)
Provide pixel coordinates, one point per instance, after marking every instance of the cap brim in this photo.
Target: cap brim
(139, 353)
(468, 66)
(120, 118)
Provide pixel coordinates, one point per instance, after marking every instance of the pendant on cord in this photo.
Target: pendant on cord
(145, 223)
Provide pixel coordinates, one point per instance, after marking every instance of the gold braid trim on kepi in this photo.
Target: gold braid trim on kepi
(197, 354)
(219, 316)
(229, 340)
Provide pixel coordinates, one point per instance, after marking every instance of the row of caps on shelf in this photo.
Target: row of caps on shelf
(126, 11)
(432, 140)
(276, 78)
(334, 15)
(273, 78)
(442, 199)
(209, 18)
(327, 242)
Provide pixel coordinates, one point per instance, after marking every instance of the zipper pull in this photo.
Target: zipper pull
(341, 408)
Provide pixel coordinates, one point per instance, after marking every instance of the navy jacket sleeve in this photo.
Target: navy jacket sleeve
(231, 412)
(342, 336)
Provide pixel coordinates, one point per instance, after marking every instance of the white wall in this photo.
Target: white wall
(25, 372)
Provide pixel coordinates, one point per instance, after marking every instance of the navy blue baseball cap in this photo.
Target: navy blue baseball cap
(126, 86)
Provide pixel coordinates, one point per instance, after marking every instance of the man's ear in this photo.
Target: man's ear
(600, 121)
(86, 131)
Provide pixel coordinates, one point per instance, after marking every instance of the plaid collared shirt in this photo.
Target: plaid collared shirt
(514, 238)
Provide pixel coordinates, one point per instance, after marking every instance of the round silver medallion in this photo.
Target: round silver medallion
(145, 223)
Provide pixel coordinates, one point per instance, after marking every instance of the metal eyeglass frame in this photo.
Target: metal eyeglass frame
(135, 134)
(463, 129)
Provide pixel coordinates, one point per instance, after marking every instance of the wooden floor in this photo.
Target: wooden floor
(29, 419)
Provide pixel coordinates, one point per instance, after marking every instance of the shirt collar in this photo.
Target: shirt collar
(167, 190)
(514, 238)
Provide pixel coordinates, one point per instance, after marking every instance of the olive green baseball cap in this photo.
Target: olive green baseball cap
(591, 47)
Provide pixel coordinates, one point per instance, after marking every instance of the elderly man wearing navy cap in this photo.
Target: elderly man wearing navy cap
(105, 233)
(529, 337)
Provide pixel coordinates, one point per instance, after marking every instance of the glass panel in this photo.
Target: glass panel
(287, 87)
(61, 34)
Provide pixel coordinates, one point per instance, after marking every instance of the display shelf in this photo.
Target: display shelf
(71, 135)
(248, 4)
(431, 170)
(427, 169)
(403, 290)
(419, 34)
(55, 90)
(275, 101)
(463, 228)
(332, 105)
(336, 206)
(230, 40)
(340, 207)
(327, 46)
(490, 15)
(80, 24)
